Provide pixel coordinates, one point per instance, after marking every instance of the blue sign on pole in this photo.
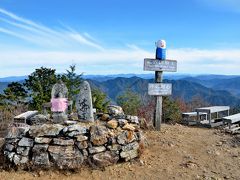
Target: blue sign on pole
(161, 50)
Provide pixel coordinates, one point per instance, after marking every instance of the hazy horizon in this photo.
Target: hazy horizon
(138, 74)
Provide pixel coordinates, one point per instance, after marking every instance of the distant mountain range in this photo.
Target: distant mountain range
(230, 84)
(12, 78)
(113, 76)
(183, 89)
(214, 89)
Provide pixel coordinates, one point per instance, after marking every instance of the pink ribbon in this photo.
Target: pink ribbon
(59, 104)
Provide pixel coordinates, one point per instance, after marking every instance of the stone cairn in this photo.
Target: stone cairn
(111, 138)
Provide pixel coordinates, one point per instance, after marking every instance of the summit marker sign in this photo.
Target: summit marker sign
(159, 89)
(157, 65)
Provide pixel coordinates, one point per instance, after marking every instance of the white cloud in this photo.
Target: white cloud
(39, 34)
(221, 56)
(123, 61)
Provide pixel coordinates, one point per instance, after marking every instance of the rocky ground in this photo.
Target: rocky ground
(177, 152)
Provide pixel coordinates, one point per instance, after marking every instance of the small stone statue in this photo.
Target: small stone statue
(59, 102)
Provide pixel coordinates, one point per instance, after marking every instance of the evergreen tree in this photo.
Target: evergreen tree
(15, 93)
(171, 110)
(129, 101)
(72, 81)
(40, 84)
(99, 100)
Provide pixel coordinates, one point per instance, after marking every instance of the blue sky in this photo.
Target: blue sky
(114, 36)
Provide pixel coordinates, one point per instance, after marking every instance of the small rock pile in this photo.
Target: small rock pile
(114, 137)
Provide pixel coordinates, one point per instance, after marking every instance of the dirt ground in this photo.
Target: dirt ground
(177, 152)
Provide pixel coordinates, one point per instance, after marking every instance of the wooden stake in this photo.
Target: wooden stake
(158, 110)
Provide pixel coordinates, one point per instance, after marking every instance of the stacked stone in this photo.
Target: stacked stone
(113, 138)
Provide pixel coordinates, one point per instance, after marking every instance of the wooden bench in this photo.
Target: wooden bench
(190, 118)
(232, 119)
(233, 122)
(210, 123)
(22, 118)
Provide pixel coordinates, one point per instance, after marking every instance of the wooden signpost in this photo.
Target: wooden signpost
(159, 89)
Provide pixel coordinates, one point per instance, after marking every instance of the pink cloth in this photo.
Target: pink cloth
(59, 104)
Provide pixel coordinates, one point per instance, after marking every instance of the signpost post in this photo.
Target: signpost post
(158, 88)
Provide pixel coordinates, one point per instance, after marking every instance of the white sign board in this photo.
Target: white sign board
(160, 89)
(160, 65)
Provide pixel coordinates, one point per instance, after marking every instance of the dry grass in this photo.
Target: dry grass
(7, 114)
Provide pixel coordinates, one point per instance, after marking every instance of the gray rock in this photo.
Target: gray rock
(68, 122)
(74, 130)
(41, 159)
(24, 151)
(40, 148)
(17, 132)
(115, 110)
(96, 149)
(126, 137)
(18, 159)
(63, 142)
(45, 130)
(82, 144)
(9, 147)
(85, 153)
(131, 146)
(66, 157)
(39, 119)
(12, 141)
(73, 133)
(40, 155)
(128, 155)
(132, 119)
(9, 155)
(84, 103)
(81, 138)
(112, 140)
(105, 159)
(26, 142)
(122, 122)
(59, 117)
(42, 140)
(61, 150)
(98, 135)
(114, 147)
